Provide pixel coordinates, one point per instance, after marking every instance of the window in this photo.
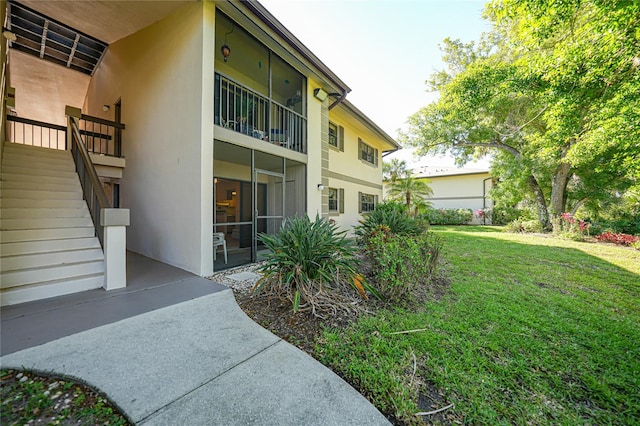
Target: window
(333, 134)
(336, 200)
(367, 153)
(336, 136)
(367, 202)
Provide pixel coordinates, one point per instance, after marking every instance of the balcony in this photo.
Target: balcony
(243, 110)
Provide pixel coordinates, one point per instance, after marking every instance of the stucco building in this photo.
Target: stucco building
(200, 117)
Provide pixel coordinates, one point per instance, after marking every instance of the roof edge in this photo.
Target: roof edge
(453, 174)
(272, 22)
(362, 116)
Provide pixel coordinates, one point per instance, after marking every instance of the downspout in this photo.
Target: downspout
(484, 199)
(341, 97)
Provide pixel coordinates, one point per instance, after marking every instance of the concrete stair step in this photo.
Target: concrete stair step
(52, 288)
(38, 156)
(62, 164)
(45, 223)
(46, 246)
(38, 260)
(38, 171)
(31, 213)
(11, 203)
(66, 271)
(18, 148)
(41, 186)
(23, 235)
(42, 195)
(12, 177)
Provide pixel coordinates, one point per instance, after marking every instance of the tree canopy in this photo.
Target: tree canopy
(410, 190)
(553, 93)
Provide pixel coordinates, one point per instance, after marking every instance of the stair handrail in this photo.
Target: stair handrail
(92, 190)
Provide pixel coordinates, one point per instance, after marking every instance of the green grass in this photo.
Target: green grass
(533, 330)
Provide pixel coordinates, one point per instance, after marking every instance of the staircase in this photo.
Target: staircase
(47, 243)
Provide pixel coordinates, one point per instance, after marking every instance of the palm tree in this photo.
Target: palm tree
(409, 188)
(393, 169)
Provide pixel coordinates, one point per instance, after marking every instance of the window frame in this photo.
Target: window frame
(333, 126)
(367, 153)
(339, 201)
(370, 205)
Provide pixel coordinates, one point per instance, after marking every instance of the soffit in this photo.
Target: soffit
(106, 20)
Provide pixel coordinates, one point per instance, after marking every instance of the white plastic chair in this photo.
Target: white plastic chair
(218, 240)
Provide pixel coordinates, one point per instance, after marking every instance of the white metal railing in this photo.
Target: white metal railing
(246, 111)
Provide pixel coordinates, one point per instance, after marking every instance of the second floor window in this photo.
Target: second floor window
(333, 135)
(367, 153)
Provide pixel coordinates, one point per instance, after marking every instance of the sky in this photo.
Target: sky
(384, 50)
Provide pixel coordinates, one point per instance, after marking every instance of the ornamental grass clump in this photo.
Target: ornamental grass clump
(313, 265)
(392, 216)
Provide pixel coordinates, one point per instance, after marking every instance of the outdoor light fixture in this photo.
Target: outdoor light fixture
(225, 49)
(106, 108)
(320, 187)
(320, 94)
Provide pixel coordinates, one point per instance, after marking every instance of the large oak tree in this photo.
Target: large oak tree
(553, 93)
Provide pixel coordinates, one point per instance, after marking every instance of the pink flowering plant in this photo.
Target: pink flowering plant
(618, 238)
(571, 228)
(479, 213)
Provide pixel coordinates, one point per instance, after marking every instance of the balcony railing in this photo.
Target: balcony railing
(36, 133)
(246, 111)
(99, 136)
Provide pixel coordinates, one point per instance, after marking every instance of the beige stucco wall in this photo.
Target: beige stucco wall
(460, 191)
(163, 75)
(56, 87)
(314, 150)
(347, 171)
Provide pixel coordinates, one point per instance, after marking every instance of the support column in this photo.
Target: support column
(115, 222)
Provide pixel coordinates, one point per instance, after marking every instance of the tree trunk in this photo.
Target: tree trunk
(558, 189)
(408, 199)
(541, 203)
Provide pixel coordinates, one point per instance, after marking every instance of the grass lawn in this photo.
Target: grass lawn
(533, 330)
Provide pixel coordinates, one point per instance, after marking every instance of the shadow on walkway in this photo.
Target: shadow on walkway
(151, 285)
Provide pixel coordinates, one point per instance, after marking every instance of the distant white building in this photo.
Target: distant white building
(457, 188)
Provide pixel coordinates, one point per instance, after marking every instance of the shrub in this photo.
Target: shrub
(448, 216)
(621, 239)
(402, 263)
(392, 216)
(505, 215)
(571, 228)
(527, 226)
(312, 265)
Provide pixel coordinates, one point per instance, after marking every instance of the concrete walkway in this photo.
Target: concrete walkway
(199, 362)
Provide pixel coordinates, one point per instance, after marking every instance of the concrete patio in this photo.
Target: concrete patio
(175, 348)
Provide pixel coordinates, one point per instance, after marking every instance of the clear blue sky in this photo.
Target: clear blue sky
(383, 49)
